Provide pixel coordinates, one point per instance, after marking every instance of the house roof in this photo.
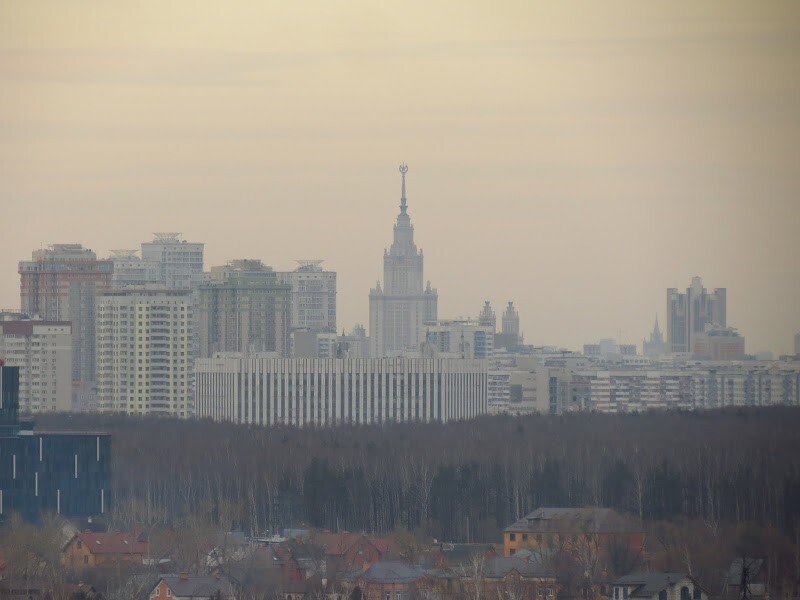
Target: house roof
(649, 584)
(111, 543)
(576, 521)
(388, 571)
(198, 586)
(337, 543)
(499, 566)
(457, 554)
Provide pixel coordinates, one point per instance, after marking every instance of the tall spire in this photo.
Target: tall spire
(403, 171)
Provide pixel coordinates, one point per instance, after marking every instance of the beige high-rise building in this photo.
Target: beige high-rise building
(180, 262)
(398, 310)
(143, 348)
(43, 352)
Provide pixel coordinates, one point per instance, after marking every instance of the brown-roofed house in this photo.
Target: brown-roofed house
(576, 529)
(90, 549)
(350, 551)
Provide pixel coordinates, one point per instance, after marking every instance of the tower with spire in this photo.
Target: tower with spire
(656, 346)
(509, 337)
(400, 307)
(487, 318)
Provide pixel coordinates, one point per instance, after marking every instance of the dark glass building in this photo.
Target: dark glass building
(65, 473)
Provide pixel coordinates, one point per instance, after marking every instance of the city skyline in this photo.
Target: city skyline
(577, 165)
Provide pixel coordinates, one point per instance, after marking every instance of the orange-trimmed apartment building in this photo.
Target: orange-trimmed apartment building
(595, 530)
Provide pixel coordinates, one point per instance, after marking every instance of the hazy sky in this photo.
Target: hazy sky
(577, 158)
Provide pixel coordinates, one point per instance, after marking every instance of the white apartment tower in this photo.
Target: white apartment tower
(180, 268)
(180, 262)
(143, 362)
(398, 310)
(131, 270)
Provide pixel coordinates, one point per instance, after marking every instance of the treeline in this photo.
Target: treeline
(462, 481)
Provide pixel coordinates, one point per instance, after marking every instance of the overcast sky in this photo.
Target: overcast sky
(577, 158)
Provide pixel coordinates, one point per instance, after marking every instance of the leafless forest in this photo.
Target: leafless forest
(461, 481)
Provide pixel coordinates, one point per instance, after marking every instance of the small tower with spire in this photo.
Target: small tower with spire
(655, 346)
(487, 318)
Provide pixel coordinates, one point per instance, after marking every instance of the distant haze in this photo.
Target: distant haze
(577, 160)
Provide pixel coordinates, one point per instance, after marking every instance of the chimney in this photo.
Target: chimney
(184, 576)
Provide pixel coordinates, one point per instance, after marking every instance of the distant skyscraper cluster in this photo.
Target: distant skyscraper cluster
(129, 328)
(689, 313)
(144, 333)
(152, 332)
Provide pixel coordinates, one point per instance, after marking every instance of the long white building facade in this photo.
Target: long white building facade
(398, 311)
(322, 392)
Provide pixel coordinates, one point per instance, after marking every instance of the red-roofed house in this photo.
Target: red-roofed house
(350, 551)
(88, 549)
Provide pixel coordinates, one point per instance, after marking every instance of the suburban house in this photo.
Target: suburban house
(350, 551)
(453, 556)
(595, 531)
(193, 587)
(657, 586)
(512, 577)
(91, 549)
(384, 580)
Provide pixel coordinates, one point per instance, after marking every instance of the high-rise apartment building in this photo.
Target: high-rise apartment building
(60, 283)
(143, 362)
(43, 352)
(131, 270)
(313, 297)
(180, 262)
(180, 268)
(244, 308)
(398, 310)
(689, 313)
